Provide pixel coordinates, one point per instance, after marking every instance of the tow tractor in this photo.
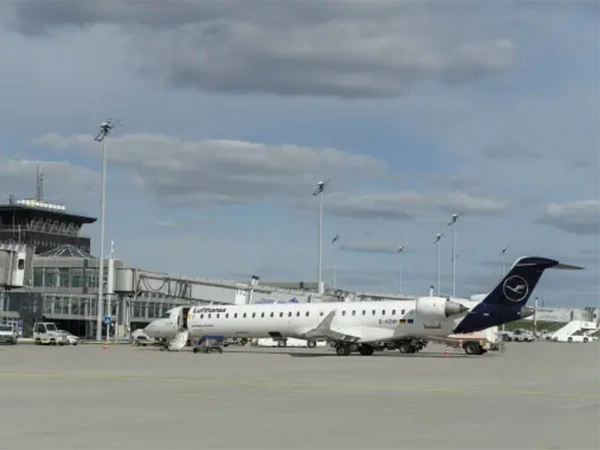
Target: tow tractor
(46, 333)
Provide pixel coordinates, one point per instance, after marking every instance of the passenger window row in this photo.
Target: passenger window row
(290, 314)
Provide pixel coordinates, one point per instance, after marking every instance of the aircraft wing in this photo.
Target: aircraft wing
(324, 330)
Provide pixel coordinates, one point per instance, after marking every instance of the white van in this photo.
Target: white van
(8, 334)
(46, 333)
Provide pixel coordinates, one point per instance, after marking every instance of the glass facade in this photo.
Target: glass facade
(84, 306)
(67, 277)
(64, 297)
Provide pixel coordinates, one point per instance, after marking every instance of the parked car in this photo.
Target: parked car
(71, 338)
(521, 335)
(8, 334)
(141, 339)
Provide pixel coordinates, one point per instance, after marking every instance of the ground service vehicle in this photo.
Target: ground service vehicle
(46, 333)
(8, 334)
(521, 335)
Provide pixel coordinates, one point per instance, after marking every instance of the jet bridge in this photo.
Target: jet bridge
(137, 282)
(15, 266)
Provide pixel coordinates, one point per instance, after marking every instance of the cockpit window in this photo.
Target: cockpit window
(166, 315)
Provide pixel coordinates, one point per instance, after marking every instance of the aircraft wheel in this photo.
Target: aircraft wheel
(342, 350)
(471, 348)
(366, 350)
(405, 347)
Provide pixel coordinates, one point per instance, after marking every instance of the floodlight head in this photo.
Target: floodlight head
(321, 185)
(105, 128)
(400, 249)
(335, 238)
(455, 217)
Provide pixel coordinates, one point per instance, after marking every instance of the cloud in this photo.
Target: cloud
(192, 173)
(370, 247)
(509, 151)
(408, 205)
(189, 224)
(344, 49)
(63, 181)
(579, 217)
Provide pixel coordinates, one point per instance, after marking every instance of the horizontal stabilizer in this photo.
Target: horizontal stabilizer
(567, 267)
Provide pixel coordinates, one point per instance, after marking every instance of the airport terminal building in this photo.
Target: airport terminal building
(62, 285)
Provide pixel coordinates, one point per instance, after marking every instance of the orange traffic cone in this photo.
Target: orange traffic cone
(446, 351)
(105, 346)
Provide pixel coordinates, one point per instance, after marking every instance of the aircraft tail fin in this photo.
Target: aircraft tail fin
(520, 281)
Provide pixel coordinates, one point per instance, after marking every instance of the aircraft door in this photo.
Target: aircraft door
(183, 317)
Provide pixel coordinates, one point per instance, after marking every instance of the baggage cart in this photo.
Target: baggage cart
(208, 344)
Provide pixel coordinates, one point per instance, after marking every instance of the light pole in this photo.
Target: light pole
(399, 252)
(452, 224)
(502, 253)
(105, 128)
(437, 261)
(319, 192)
(334, 242)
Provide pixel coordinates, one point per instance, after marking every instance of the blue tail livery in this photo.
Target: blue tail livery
(506, 303)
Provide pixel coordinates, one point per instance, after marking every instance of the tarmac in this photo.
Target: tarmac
(530, 396)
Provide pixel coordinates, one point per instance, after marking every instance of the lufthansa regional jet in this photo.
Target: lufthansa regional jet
(359, 326)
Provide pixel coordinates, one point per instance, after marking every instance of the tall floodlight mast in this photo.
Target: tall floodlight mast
(334, 241)
(438, 238)
(321, 185)
(452, 224)
(502, 262)
(399, 252)
(105, 128)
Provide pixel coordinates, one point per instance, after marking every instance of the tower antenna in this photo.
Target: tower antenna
(39, 184)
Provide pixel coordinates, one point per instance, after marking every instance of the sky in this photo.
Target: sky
(232, 111)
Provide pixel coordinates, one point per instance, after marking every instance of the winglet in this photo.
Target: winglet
(325, 325)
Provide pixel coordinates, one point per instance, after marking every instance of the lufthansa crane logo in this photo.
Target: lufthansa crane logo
(515, 288)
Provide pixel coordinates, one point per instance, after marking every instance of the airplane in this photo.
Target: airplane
(360, 326)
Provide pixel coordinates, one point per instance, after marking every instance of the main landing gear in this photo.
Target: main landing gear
(345, 349)
(411, 346)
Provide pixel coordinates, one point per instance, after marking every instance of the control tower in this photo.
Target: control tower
(41, 224)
